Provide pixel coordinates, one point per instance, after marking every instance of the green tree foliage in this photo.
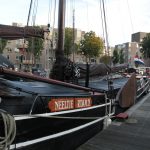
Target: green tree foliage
(3, 43)
(69, 46)
(91, 45)
(145, 46)
(121, 57)
(118, 56)
(115, 57)
(68, 41)
(106, 59)
(35, 45)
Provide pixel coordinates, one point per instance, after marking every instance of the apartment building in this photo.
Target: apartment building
(138, 37)
(15, 50)
(132, 48)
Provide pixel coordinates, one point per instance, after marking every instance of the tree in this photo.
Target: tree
(115, 57)
(68, 41)
(91, 45)
(121, 57)
(145, 46)
(3, 43)
(35, 46)
(68, 46)
(106, 59)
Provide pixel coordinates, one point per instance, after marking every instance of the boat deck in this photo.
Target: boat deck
(130, 134)
(102, 85)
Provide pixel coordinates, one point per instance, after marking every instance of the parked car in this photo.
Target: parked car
(39, 72)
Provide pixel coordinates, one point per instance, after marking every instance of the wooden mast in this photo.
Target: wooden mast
(61, 30)
(60, 63)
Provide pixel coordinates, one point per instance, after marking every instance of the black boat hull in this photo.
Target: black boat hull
(50, 114)
(62, 132)
(67, 142)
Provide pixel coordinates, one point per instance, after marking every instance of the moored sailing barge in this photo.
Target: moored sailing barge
(48, 113)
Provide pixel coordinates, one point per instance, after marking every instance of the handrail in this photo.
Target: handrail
(101, 105)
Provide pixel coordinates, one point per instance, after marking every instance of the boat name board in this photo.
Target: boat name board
(59, 104)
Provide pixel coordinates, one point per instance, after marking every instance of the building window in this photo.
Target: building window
(93, 60)
(17, 57)
(9, 50)
(129, 44)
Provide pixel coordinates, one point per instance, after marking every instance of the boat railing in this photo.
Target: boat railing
(144, 88)
(108, 104)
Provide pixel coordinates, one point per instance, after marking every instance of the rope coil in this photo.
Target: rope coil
(9, 130)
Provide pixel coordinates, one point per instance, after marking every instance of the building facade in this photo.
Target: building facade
(16, 51)
(138, 37)
(131, 49)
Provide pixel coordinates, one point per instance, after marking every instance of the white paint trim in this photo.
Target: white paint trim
(27, 143)
(27, 116)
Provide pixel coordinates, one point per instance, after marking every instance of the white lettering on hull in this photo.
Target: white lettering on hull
(60, 104)
(64, 104)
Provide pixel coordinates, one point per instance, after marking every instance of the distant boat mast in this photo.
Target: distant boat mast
(106, 32)
(73, 25)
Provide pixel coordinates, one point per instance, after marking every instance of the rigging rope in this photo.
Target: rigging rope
(130, 17)
(73, 31)
(29, 12)
(9, 130)
(106, 32)
(53, 24)
(67, 13)
(87, 16)
(49, 11)
(34, 12)
(102, 19)
(35, 6)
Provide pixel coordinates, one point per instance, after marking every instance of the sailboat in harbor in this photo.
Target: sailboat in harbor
(38, 113)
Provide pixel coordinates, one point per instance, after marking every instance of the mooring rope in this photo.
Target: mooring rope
(9, 130)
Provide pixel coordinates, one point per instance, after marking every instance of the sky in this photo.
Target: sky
(123, 17)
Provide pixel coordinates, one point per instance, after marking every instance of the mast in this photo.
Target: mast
(60, 63)
(73, 17)
(107, 52)
(107, 43)
(61, 30)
